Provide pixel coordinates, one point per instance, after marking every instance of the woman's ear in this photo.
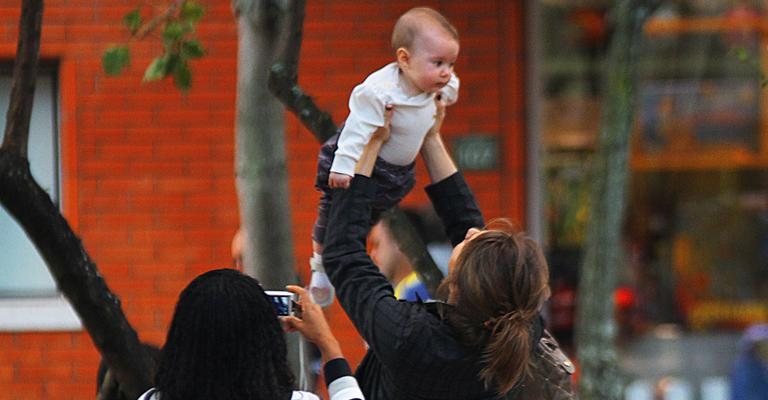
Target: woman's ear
(403, 57)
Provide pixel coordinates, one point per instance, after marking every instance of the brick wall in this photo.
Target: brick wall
(148, 172)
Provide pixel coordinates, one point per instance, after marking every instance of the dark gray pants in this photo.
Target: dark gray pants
(393, 182)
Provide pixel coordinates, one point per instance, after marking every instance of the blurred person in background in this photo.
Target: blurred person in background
(393, 263)
(749, 378)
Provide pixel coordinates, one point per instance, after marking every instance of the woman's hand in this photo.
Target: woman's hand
(367, 159)
(382, 133)
(312, 325)
(439, 117)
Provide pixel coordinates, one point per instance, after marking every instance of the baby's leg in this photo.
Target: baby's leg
(320, 289)
(393, 183)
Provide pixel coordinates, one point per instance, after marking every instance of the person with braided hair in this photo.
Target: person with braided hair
(486, 339)
(226, 343)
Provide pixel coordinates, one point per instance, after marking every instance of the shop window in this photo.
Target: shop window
(29, 299)
(696, 232)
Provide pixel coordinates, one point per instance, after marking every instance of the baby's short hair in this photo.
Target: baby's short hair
(409, 25)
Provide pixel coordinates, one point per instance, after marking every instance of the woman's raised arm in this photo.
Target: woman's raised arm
(436, 158)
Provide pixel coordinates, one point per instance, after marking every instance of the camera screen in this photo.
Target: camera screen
(281, 301)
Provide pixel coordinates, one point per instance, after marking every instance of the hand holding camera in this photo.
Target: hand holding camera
(310, 321)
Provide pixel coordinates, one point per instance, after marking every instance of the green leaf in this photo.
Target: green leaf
(192, 49)
(157, 70)
(742, 54)
(182, 76)
(191, 11)
(173, 31)
(133, 20)
(115, 60)
(188, 26)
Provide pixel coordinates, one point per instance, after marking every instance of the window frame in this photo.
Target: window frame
(50, 313)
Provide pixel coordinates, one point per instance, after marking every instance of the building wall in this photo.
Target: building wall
(148, 172)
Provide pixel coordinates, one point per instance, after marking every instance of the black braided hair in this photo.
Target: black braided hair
(225, 342)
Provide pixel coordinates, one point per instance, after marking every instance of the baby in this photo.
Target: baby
(426, 46)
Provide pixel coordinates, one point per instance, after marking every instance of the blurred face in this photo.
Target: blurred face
(427, 67)
(237, 250)
(385, 253)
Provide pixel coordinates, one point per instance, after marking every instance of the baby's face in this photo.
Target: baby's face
(431, 60)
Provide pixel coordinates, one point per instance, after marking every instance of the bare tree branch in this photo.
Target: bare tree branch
(150, 26)
(72, 269)
(289, 56)
(283, 79)
(24, 78)
(75, 274)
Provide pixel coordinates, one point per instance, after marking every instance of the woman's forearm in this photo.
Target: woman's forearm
(436, 158)
(367, 159)
(329, 349)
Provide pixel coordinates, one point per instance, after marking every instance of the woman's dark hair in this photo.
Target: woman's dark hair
(498, 285)
(225, 342)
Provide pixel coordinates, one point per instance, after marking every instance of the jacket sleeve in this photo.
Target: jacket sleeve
(341, 384)
(364, 293)
(456, 206)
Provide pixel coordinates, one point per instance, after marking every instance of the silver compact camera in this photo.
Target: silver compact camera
(282, 301)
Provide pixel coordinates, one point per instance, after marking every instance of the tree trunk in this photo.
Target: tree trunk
(260, 158)
(71, 267)
(596, 328)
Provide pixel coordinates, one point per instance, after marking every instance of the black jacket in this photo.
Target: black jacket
(413, 353)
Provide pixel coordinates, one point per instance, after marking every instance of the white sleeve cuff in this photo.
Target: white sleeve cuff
(345, 388)
(343, 164)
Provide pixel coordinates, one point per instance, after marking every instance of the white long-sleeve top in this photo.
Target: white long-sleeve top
(412, 118)
(342, 386)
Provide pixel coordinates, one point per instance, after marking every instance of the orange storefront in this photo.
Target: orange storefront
(144, 174)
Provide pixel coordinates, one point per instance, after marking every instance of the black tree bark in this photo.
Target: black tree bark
(72, 269)
(283, 82)
(24, 77)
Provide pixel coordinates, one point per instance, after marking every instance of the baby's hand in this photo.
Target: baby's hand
(337, 180)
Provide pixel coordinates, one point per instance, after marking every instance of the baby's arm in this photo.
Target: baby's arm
(366, 114)
(336, 180)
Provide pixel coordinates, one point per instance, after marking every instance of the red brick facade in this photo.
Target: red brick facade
(148, 172)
